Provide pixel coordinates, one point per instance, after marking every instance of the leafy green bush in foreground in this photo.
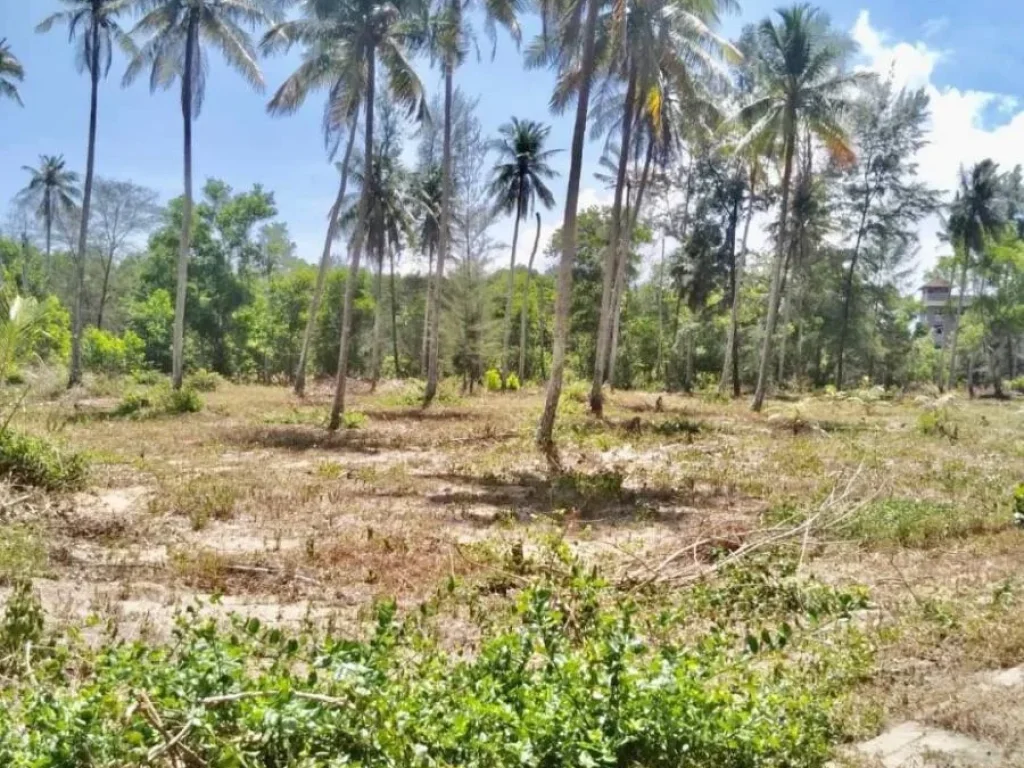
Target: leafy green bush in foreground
(569, 679)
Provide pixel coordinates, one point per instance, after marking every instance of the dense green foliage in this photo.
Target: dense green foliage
(570, 677)
(30, 460)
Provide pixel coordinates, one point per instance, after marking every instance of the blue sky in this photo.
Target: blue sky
(969, 56)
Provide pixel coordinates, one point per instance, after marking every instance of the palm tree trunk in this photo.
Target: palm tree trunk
(660, 365)
(731, 358)
(427, 309)
(48, 222)
(775, 291)
(951, 379)
(848, 294)
(394, 317)
(352, 278)
(525, 309)
(325, 262)
(178, 345)
(506, 333)
(545, 429)
(75, 376)
(442, 239)
(612, 254)
(105, 288)
(378, 319)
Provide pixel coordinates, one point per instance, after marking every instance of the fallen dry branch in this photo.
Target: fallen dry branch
(831, 513)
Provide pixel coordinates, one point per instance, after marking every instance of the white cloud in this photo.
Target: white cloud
(933, 27)
(959, 135)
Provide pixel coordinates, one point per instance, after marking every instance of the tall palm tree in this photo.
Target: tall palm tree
(525, 308)
(801, 83)
(325, 29)
(978, 213)
(174, 51)
(11, 72)
(367, 31)
(573, 52)
(519, 175)
(97, 22)
(450, 36)
(428, 235)
(660, 49)
(54, 190)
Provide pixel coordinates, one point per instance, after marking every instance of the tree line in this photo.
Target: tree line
(705, 139)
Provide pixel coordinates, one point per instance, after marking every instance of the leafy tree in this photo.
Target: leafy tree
(977, 215)
(53, 189)
(176, 31)
(882, 202)
(11, 73)
(799, 84)
(518, 181)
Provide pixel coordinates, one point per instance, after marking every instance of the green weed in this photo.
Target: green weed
(30, 460)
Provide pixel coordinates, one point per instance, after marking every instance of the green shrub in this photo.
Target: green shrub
(200, 499)
(572, 678)
(918, 523)
(938, 422)
(577, 391)
(22, 623)
(492, 380)
(105, 352)
(1017, 384)
(512, 382)
(147, 377)
(133, 403)
(22, 554)
(1018, 505)
(353, 419)
(30, 460)
(184, 400)
(204, 380)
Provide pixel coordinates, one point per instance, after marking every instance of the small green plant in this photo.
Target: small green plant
(492, 380)
(204, 381)
(1018, 506)
(354, 420)
(147, 377)
(577, 391)
(330, 470)
(22, 554)
(133, 403)
(918, 523)
(30, 460)
(938, 422)
(22, 624)
(512, 383)
(185, 400)
(201, 500)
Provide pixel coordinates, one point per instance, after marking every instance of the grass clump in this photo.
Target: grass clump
(201, 500)
(22, 554)
(30, 460)
(569, 677)
(185, 400)
(917, 523)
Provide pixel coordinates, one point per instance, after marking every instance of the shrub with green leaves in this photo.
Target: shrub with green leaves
(512, 383)
(204, 380)
(105, 352)
(30, 460)
(492, 380)
(184, 400)
(571, 677)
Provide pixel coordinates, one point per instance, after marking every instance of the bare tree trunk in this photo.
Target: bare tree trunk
(951, 380)
(775, 292)
(325, 263)
(612, 255)
(848, 294)
(659, 366)
(178, 345)
(352, 278)
(442, 250)
(789, 289)
(506, 333)
(105, 287)
(525, 310)
(394, 317)
(427, 309)
(378, 320)
(731, 358)
(545, 430)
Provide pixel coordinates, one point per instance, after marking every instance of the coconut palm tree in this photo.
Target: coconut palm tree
(978, 213)
(325, 29)
(54, 190)
(11, 72)
(799, 60)
(429, 184)
(572, 51)
(519, 175)
(450, 34)
(175, 31)
(96, 20)
(660, 49)
(367, 31)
